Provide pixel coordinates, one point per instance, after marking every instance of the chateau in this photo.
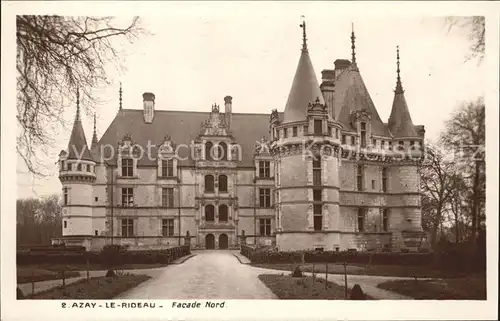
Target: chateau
(326, 173)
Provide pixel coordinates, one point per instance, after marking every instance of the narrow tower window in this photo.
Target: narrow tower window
(385, 220)
(317, 171)
(318, 217)
(363, 135)
(222, 183)
(318, 127)
(361, 220)
(384, 179)
(65, 195)
(360, 174)
(294, 131)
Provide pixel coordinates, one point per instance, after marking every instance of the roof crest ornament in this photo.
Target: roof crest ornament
(77, 104)
(120, 95)
(353, 48)
(399, 85)
(304, 39)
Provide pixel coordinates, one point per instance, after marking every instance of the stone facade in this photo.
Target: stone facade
(325, 174)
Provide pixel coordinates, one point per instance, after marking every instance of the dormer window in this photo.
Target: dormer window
(167, 167)
(343, 140)
(127, 167)
(353, 140)
(79, 167)
(318, 127)
(363, 134)
(306, 130)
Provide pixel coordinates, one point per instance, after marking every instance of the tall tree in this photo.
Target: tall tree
(476, 29)
(465, 135)
(437, 186)
(57, 55)
(38, 220)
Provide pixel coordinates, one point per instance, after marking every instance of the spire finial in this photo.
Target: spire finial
(353, 46)
(94, 136)
(77, 104)
(304, 39)
(399, 86)
(120, 95)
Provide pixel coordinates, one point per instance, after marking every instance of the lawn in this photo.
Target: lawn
(464, 288)
(372, 269)
(83, 267)
(26, 274)
(303, 288)
(96, 288)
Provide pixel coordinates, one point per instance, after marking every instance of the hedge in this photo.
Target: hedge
(110, 256)
(259, 256)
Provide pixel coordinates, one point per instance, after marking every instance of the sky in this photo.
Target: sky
(195, 55)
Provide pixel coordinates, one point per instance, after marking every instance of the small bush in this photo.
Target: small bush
(297, 273)
(110, 273)
(357, 293)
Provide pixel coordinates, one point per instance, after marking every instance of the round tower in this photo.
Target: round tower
(407, 147)
(305, 146)
(77, 175)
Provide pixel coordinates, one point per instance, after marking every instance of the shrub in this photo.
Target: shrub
(110, 274)
(297, 273)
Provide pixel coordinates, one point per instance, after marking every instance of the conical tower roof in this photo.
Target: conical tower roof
(77, 147)
(305, 87)
(400, 123)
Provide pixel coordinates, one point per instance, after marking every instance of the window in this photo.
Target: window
(63, 165)
(318, 217)
(318, 127)
(343, 140)
(385, 220)
(353, 140)
(79, 167)
(223, 213)
(330, 131)
(167, 227)
(209, 183)
(374, 142)
(285, 132)
(127, 227)
(96, 198)
(360, 173)
(167, 167)
(127, 196)
(65, 224)
(401, 145)
(373, 184)
(317, 195)
(222, 183)
(363, 135)
(209, 151)
(88, 168)
(96, 232)
(265, 226)
(294, 131)
(264, 170)
(337, 133)
(265, 197)
(127, 167)
(317, 172)
(167, 197)
(306, 130)
(412, 144)
(384, 179)
(222, 151)
(361, 220)
(382, 144)
(65, 195)
(209, 213)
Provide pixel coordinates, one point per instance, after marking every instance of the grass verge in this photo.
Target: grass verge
(35, 274)
(95, 289)
(463, 288)
(376, 270)
(92, 267)
(287, 287)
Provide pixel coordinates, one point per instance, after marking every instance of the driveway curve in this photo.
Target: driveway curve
(207, 275)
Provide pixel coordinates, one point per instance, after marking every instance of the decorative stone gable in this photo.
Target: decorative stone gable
(215, 125)
(317, 108)
(362, 115)
(128, 149)
(262, 148)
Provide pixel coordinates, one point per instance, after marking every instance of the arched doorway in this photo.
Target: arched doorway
(223, 241)
(210, 242)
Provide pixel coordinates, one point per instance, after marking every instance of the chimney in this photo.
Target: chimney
(228, 110)
(328, 89)
(148, 100)
(340, 65)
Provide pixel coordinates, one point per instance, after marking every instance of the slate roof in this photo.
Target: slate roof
(183, 127)
(78, 142)
(351, 94)
(305, 89)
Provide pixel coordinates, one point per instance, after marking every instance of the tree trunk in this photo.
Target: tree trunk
(435, 227)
